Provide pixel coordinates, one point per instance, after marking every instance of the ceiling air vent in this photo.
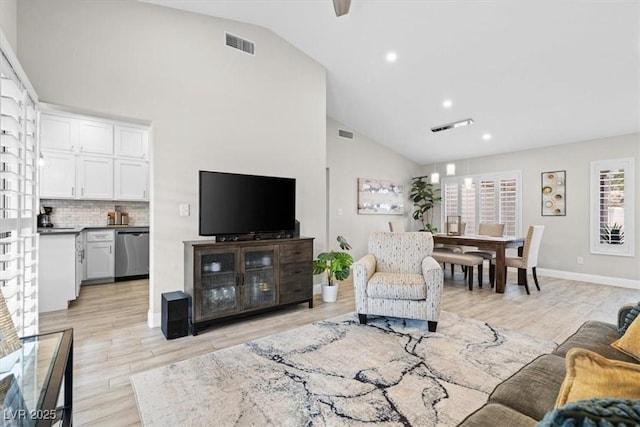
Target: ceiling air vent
(345, 134)
(240, 44)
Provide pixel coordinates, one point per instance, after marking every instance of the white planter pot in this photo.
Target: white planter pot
(329, 293)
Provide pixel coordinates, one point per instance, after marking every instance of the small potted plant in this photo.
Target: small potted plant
(424, 196)
(335, 265)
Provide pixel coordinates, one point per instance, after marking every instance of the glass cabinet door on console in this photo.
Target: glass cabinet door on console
(259, 287)
(217, 289)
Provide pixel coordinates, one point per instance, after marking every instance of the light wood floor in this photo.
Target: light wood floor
(112, 340)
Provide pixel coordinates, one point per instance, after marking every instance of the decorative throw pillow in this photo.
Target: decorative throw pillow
(590, 375)
(594, 412)
(629, 318)
(629, 343)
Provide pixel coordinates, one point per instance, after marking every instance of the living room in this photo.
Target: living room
(211, 108)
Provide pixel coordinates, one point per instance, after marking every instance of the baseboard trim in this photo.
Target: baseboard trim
(592, 278)
(154, 319)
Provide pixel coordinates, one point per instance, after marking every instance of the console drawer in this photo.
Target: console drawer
(296, 252)
(296, 281)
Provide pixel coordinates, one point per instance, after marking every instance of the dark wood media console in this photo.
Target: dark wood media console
(238, 278)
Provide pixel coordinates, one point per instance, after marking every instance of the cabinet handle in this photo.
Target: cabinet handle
(109, 248)
(296, 252)
(144, 194)
(82, 191)
(73, 191)
(297, 272)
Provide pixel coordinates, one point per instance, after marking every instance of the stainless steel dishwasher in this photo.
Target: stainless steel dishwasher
(132, 252)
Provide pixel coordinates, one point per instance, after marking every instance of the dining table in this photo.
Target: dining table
(497, 244)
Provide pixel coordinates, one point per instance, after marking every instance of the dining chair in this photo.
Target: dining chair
(397, 226)
(493, 230)
(529, 258)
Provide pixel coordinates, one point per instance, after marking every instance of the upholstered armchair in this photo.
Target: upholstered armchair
(399, 278)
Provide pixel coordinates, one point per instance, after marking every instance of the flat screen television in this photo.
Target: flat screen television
(236, 204)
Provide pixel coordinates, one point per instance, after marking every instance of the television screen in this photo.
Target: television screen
(241, 204)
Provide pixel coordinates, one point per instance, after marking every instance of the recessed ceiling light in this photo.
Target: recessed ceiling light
(392, 56)
(447, 103)
(486, 136)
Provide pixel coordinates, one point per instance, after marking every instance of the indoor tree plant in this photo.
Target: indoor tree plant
(335, 265)
(424, 196)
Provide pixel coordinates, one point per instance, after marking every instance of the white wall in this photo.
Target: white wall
(349, 160)
(567, 237)
(210, 107)
(8, 22)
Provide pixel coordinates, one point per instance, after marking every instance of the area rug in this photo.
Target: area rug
(391, 372)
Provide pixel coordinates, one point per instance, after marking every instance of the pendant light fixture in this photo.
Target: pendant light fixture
(435, 176)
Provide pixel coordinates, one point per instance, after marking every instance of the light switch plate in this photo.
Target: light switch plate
(184, 209)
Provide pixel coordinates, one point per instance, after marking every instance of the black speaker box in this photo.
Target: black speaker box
(296, 231)
(175, 314)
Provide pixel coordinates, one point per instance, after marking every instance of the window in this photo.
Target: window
(491, 198)
(612, 201)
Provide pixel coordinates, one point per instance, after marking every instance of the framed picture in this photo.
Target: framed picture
(553, 193)
(9, 341)
(379, 197)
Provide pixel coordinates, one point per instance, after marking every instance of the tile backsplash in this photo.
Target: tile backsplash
(93, 213)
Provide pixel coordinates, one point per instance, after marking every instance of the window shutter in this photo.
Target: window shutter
(18, 199)
(487, 202)
(508, 205)
(469, 208)
(613, 201)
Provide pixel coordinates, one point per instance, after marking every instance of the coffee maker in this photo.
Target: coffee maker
(44, 219)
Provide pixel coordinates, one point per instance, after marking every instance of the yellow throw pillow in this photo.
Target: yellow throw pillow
(590, 375)
(629, 344)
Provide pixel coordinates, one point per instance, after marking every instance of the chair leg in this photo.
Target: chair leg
(480, 275)
(452, 270)
(432, 325)
(526, 284)
(492, 274)
(362, 318)
(470, 273)
(535, 277)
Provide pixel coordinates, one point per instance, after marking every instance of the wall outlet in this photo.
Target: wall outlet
(580, 260)
(184, 209)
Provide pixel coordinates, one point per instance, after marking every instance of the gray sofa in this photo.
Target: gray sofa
(523, 399)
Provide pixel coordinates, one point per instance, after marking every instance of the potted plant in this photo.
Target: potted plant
(612, 234)
(335, 265)
(424, 196)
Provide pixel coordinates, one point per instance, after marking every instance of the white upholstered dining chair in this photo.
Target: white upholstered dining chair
(399, 278)
(397, 226)
(493, 230)
(529, 258)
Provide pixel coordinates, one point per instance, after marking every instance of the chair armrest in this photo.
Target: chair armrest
(363, 269)
(434, 279)
(622, 313)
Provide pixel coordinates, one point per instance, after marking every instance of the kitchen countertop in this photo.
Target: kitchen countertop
(43, 231)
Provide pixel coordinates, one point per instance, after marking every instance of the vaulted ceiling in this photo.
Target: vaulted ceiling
(529, 73)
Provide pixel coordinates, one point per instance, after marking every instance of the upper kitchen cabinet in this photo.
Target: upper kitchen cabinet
(95, 137)
(131, 142)
(131, 179)
(94, 177)
(58, 133)
(57, 175)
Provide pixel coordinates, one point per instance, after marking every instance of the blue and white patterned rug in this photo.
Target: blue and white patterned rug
(337, 372)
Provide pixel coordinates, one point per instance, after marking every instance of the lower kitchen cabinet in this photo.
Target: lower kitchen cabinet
(100, 256)
(58, 271)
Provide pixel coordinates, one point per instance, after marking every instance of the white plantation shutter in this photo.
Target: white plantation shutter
(508, 206)
(18, 199)
(491, 198)
(612, 193)
(468, 208)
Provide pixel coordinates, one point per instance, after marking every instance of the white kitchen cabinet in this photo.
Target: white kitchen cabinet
(94, 177)
(131, 180)
(57, 271)
(57, 175)
(100, 259)
(95, 137)
(131, 142)
(58, 133)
